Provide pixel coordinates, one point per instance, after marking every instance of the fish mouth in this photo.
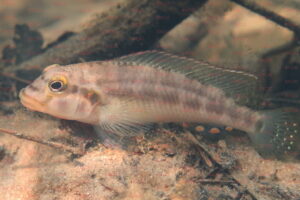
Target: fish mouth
(29, 102)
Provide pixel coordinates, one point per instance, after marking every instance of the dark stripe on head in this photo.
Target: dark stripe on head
(94, 98)
(44, 78)
(90, 95)
(33, 88)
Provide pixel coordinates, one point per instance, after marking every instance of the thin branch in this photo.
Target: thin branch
(281, 49)
(47, 143)
(270, 15)
(15, 78)
(211, 181)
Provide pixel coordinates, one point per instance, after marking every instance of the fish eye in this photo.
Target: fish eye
(57, 86)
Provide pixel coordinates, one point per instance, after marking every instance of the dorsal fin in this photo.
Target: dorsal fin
(239, 85)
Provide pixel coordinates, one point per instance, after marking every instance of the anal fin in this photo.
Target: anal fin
(120, 135)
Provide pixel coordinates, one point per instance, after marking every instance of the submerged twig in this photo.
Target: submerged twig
(47, 143)
(211, 181)
(15, 78)
(281, 49)
(270, 15)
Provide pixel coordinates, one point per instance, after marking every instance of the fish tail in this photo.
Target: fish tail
(278, 134)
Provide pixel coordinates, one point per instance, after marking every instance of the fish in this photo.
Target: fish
(122, 96)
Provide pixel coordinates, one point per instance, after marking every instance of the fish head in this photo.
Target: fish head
(57, 92)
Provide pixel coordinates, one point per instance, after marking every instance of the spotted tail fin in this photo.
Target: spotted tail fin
(278, 135)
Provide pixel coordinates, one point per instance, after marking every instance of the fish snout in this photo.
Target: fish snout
(21, 93)
(30, 100)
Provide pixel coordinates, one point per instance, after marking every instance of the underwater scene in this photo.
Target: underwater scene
(149, 100)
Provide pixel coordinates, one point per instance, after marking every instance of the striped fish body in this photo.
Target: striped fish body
(141, 94)
(124, 94)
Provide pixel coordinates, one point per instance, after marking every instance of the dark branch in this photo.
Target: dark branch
(40, 141)
(270, 15)
(133, 26)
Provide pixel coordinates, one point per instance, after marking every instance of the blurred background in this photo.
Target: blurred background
(165, 165)
(221, 32)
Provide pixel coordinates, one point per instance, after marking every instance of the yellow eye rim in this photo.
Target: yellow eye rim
(57, 84)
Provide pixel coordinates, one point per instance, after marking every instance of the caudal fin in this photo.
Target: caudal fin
(278, 134)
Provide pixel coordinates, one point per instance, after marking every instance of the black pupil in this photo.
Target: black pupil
(56, 85)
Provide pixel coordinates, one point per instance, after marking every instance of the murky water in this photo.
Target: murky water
(43, 157)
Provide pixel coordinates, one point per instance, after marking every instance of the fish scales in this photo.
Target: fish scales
(170, 89)
(158, 77)
(124, 94)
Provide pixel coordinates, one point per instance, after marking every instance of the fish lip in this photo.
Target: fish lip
(29, 102)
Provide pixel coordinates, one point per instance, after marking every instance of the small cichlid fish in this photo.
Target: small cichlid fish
(125, 94)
